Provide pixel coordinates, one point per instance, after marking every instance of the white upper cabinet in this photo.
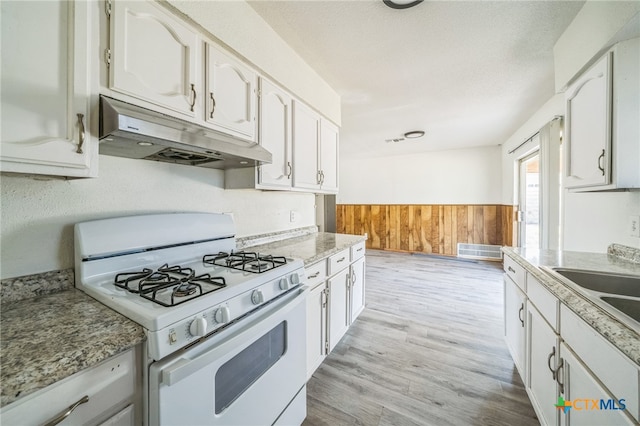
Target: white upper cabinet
(315, 151)
(154, 57)
(328, 157)
(275, 136)
(306, 141)
(45, 89)
(602, 146)
(230, 94)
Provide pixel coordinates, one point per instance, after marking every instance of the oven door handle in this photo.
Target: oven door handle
(184, 367)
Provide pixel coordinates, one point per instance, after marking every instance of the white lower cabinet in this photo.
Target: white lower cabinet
(338, 318)
(591, 404)
(543, 351)
(336, 299)
(566, 358)
(514, 324)
(106, 394)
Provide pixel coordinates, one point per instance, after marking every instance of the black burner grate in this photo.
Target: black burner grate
(245, 261)
(169, 285)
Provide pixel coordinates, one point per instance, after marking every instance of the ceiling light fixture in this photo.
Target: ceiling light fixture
(401, 4)
(414, 134)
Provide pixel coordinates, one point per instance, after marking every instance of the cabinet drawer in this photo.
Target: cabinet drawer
(338, 261)
(515, 272)
(109, 386)
(546, 302)
(357, 251)
(611, 367)
(316, 273)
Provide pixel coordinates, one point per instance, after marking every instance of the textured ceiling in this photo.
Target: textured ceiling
(468, 73)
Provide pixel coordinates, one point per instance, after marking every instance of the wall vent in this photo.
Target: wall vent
(479, 251)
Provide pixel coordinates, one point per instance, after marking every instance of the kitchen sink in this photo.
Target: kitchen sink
(628, 306)
(623, 285)
(617, 294)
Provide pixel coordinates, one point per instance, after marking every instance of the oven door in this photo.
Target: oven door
(248, 374)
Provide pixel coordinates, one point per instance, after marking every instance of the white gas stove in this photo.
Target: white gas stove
(180, 277)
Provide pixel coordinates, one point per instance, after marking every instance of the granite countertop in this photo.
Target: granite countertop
(52, 336)
(620, 335)
(311, 248)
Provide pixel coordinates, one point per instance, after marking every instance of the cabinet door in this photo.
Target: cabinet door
(357, 288)
(275, 136)
(514, 324)
(588, 127)
(316, 328)
(328, 157)
(542, 355)
(306, 128)
(46, 88)
(153, 56)
(231, 94)
(580, 387)
(338, 307)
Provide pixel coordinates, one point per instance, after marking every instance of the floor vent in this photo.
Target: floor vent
(479, 251)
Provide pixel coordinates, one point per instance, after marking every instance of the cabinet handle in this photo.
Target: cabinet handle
(213, 105)
(551, 355)
(289, 169)
(560, 366)
(360, 249)
(353, 278)
(340, 260)
(511, 269)
(193, 91)
(321, 177)
(314, 275)
(81, 133)
(66, 413)
(318, 181)
(519, 312)
(601, 162)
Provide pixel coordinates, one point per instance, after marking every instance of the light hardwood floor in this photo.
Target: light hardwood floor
(427, 350)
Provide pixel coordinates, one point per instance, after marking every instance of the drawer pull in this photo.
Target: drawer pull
(551, 355)
(340, 260)
(511, 269)
(66, 413)
(360, 249)
(314, 275)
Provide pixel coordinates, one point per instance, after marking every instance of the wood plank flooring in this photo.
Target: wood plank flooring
(427, 350)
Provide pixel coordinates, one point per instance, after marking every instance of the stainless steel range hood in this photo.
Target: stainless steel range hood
(133, 132)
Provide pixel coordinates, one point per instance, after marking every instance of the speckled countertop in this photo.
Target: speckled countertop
(621, 336)
(52, 335)
(311, 248)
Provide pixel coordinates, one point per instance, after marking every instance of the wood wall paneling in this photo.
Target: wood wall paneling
(427, 228)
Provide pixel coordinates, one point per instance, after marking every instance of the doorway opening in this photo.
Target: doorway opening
(529, 224)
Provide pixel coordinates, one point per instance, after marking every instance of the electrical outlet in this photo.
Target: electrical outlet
(294, 216)
(634, 226)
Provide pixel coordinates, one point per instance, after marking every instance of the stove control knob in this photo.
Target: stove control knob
(284, 284)
(257, 297)
(295, 278)
(198, 327)
(222, 315)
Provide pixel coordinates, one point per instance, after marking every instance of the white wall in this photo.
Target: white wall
(37, 216)
(464, 176)
(237, 25)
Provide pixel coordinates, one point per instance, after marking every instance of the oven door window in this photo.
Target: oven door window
(236, 375)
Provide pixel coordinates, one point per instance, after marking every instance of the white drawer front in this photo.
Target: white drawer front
(357, 251)
(316, 273)
(515, 272)
(547, 304)
(109, 386)
(338, 261)
(611, 367)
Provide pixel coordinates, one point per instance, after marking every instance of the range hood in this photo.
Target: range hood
(131, 131)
